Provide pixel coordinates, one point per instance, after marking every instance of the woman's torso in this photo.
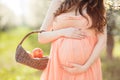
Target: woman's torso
(75, 50)
(69, 19)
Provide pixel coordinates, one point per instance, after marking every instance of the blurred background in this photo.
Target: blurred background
(18, 17)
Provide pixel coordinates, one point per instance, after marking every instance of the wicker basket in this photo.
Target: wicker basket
(23, 57)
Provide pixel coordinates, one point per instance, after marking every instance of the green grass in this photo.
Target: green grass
(11, 70)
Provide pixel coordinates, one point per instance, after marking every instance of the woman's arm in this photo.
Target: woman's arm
(102, 38)
(47, 23)
(49, 36)
(77, 68)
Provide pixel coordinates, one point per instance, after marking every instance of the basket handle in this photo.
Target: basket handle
(37, 31)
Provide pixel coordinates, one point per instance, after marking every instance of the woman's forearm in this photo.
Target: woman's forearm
(49, 36)
(97, 50)
(72, 33)
(95, 54)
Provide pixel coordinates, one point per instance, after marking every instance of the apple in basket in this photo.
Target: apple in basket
(37, 53)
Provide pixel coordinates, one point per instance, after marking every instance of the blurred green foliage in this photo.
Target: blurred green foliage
(10, 70)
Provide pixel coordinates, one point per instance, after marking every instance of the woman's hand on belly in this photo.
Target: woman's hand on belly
(74, 68)
(74, 33)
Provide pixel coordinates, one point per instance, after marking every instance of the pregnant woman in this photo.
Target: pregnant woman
(77, 32)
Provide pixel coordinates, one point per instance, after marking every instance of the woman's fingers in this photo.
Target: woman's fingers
(74, 64)
(69, 69)
(78, 36)
(78, 33)
(74, 33)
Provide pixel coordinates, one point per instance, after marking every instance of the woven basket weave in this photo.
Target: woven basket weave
(23, 57)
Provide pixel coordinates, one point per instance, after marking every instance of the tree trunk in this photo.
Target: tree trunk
(110, 46)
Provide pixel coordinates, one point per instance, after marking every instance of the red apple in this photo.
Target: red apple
(37, 53)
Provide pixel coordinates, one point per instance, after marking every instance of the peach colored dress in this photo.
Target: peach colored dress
(64, 50)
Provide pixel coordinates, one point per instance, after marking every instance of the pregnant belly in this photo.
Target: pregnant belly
(74, 50)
